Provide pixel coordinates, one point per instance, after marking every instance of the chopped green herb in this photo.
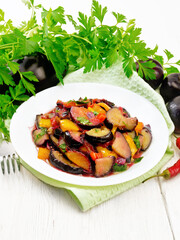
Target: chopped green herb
(124, 124)
(83, 120)
(63, 147)
(42, 133)
(137, 142)
(136, 160)
(96, 130)
(82, 101)
(95, 113)
(119, 168)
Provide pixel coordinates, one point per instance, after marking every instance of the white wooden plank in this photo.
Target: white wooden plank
(171, 193)
(30, 209)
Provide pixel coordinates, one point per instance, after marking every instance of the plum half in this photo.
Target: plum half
(170, 87)
(79, 159)
(121, 147)
(103, 166)
(159, 73)
(173, 108)
(116, 118)
(147, 137)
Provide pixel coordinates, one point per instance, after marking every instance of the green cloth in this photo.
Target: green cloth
(88, 197)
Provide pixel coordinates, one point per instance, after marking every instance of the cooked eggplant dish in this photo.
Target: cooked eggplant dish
(90, 137)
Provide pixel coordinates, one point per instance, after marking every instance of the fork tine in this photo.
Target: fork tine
(13, 163)
(2, 165)
(17, 160)
(10, 163)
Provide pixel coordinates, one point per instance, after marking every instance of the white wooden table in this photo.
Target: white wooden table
(32, 210)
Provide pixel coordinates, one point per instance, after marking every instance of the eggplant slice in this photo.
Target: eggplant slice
(40, 136)
(38, 118)
(73, 139)
(116, 118)
(60, 162)
(99, 135)
(59, 144)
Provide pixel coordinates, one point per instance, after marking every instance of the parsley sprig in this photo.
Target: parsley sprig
(92, 45)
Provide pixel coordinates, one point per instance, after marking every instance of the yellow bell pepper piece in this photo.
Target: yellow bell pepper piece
(96, 108)
(45, 123)
(139, 127)
(68, 125)
(114, 129)
(104, 105)
(131, 143)
(106, 152)
(43, 153)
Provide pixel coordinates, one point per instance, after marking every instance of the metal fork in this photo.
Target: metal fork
(10, 163)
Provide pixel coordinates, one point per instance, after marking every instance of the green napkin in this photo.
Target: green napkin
(88, 197)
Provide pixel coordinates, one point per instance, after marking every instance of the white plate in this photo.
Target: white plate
(137, 106)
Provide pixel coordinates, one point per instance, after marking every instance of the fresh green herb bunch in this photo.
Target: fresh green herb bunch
(92, 45)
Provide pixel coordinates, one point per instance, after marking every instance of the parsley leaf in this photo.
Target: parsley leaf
(137, 142)
(136, 160)
(98, 11)
(83, 120)
(168, 54)
(63, 147)
(119, 168)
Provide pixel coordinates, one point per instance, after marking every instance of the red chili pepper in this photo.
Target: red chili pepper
(178, 142)
(169, 172)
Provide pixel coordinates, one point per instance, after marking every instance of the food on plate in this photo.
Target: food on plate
(90, 137)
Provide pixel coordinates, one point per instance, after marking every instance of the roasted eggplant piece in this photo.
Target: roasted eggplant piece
(103, 166)
(79, 159)
(99, 135)
(59, 144)
(38, 118)
(58, 133)
(87, 147)
(62, 112)
(60, 162)
(147, 137)
(73, 139)
(116, 118)
(121, 147)
(54, 140)
(40, 136)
